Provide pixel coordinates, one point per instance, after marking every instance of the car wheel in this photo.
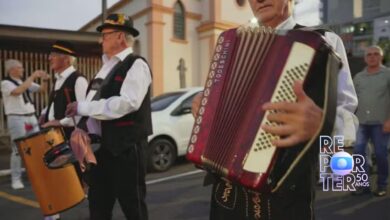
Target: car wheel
(161, 155)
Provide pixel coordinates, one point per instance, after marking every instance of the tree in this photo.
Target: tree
(384, 43)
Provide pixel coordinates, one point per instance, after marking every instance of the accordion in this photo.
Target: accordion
(249, 67)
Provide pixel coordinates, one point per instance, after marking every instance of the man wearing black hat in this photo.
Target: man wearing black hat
(69, 84)
(118, 107)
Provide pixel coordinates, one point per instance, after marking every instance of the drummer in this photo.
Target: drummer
(70, 85)
(68, 80)
(20, 111)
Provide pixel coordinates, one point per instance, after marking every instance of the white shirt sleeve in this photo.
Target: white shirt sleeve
(134, 88)
(80, 92)
(7, 87)
(43, 112)
(346, 121)
(34, 87)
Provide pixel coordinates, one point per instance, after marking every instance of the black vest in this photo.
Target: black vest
(121, 134)
(60, 101)
(25, 94)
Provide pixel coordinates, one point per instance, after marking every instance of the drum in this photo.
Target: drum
(62, 155)
(56, 190)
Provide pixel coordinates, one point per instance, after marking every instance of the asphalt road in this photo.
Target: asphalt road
(178, 194)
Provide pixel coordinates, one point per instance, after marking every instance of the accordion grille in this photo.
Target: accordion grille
(251, 49)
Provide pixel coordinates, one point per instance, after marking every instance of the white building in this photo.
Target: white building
(171, 30)
(185, 31)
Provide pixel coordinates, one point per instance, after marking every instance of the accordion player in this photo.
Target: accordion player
(249, 67)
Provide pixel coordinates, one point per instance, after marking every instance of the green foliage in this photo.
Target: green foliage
(384, 43)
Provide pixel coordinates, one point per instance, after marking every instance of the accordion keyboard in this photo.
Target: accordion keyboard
(296, 68)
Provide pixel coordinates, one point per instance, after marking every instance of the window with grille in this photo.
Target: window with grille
(179, 21)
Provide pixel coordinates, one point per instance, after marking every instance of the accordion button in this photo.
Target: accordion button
(206, 92)
(220, 40)
(191, 148)
(204, 101)
(209, 83)
(201, 110)
(199, 120)
(194, 138)
(216, 56)
(214, 65)
(196, 129)
(218, 48)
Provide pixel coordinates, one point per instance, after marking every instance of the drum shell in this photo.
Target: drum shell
(56, 190)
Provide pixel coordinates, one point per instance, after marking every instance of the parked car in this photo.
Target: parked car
(172, 125)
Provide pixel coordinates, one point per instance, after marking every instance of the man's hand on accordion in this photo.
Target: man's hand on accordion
(297, 122)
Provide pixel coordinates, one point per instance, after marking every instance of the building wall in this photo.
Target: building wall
(175, 49)
(382, 28)
(339, 12)
(143, 40)
(371, 8)
(205, 20)
(385, 6)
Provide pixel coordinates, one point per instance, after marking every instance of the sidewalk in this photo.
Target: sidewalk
(5, 152)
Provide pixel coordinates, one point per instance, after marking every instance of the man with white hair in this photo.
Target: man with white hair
(20, 111)
(373, 91)
(118, 108)
(295, 123)
(70, 86)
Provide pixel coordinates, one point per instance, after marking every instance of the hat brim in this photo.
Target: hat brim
(130, 30)
(62, 52)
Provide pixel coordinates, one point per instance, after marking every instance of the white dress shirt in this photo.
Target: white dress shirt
(16, 104)
(80, 92)
(134, 88)
(346, 121)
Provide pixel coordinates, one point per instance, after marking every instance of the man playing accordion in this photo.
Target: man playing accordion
(294, 122)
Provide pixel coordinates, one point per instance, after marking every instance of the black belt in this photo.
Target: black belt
(26, 115)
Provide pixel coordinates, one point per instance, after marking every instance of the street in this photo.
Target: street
(179, 194)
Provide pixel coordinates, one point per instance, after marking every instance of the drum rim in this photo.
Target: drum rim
(55, 148)
(42, 130)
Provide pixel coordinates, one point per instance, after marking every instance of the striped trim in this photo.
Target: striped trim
(63, 48)
(111, 22)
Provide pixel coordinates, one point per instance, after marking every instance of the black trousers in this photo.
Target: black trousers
(119, 178)
(234, 202)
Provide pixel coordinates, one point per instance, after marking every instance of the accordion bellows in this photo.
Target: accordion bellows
(249, 67)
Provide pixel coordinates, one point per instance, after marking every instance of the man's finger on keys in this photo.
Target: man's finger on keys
(280, 106)
(279, 117)
(298, 90)
(287, 142)
(280, 130)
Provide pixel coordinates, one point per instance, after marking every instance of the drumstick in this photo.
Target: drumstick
(66, 90)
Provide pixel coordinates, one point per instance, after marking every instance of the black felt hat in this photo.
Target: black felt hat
(63, 47)
(120, 22)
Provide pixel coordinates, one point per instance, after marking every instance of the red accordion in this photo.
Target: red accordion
(251, 66)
